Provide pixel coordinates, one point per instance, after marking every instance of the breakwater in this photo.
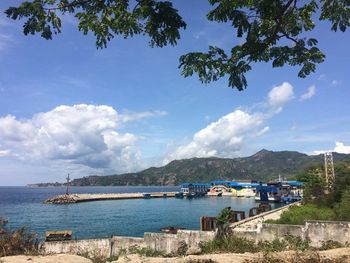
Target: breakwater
(79, 198)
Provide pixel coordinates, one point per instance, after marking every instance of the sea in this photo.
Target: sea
(23, 206)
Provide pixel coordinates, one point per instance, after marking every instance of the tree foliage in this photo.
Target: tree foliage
(271, 30)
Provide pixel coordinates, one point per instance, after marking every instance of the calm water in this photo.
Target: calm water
(23, 206)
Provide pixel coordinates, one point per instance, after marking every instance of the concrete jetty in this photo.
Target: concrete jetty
(79, 198)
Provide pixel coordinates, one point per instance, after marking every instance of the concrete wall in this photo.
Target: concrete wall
(168, 243)
(124, 243)
(316, 232)
(321, 231)
(89, 246)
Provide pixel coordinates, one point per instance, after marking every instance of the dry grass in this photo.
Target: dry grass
(305, 257)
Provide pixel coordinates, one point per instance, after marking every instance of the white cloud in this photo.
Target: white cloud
(223, 137)
(81, 134)
(227, 136)
(341, 148)
(279, 95)
(311, 91)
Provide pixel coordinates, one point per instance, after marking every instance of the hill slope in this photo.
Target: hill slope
(263, 165)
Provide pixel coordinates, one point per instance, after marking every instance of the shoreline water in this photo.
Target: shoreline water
(23, 206)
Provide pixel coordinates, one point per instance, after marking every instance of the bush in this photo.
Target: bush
(230, 244)
(17, 242)
(234, 244)
(330, 244)
(296, 215)
(342, 209)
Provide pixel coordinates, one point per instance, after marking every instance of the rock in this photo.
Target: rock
(194, 250)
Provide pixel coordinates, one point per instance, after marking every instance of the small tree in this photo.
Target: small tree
(223, 221)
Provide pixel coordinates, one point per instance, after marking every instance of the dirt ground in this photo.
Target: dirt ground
(60, 258)
(232, 258)
(219, 258)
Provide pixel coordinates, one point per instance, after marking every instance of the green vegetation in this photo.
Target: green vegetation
(296, 215)
(223, 222)
(145, 251)
(17, 242)
(263, 165)
(235, 244)
(270, 31)
(321, 204)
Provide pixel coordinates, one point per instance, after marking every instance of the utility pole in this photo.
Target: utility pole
(329, 170)
(67, 192)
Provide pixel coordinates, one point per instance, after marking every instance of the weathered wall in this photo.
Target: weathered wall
(168, 243)
(89, 246)
(315, 231)
(321, 231)
(125, 243)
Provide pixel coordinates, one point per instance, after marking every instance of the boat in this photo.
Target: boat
(58, 235)
(272, 191)
(190, 190)
(215, 191)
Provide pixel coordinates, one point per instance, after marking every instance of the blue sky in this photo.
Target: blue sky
(66, 107)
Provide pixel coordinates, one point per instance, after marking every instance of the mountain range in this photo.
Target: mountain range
(262, 166)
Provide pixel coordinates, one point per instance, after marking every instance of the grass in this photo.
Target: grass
(147, 252)
(234, 244)
(296, 215)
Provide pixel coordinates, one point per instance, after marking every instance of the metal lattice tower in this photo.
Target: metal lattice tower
(329, 170)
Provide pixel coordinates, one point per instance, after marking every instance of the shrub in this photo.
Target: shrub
(18, 241)
(330, 244)
(230, 244)
(342, 209)
(296, 215)
(182, 249)
(147, 252)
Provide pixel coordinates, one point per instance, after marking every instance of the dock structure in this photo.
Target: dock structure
(79, 198)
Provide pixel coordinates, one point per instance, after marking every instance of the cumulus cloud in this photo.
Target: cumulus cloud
(221, 138)
(81, 134)
(340, 147)
(279, 95)
(227, 136)
(311, 91)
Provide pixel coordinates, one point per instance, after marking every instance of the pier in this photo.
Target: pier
(79, 198)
